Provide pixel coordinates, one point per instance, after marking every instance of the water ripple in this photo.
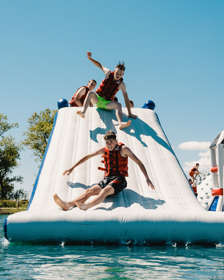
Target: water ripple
(109, 262)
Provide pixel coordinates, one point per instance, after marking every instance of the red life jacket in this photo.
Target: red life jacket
(194, 187)
(109, 87)
(192, 171)
(114, 163)
(82, 99)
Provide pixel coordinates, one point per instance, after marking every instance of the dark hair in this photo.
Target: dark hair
(115, 99)
(132, 103)
(121, 66)
(110, 135)
(93, 81)
(197, 163)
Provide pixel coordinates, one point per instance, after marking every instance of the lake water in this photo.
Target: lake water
(26, 262)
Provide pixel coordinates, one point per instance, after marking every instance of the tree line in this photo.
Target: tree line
(35, 138)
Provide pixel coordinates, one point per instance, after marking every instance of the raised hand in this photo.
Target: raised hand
(89, 54)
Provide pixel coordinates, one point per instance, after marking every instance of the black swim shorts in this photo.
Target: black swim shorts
(117, 182)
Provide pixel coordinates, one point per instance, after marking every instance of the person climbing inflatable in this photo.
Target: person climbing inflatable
(194, 172)
(193, 187)
(79, 96)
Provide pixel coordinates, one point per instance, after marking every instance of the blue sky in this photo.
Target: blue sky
(173, 52)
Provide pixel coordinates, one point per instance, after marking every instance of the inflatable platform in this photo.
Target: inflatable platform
(138, 214)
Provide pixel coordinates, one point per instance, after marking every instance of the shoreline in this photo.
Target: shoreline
(8, 211)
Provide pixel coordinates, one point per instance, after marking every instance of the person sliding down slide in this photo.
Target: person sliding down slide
(104, 95)
(116, 169)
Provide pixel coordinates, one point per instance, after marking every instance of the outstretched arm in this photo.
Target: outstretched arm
(126, 100)
(95, 62)
(126, 151)
(85, 158)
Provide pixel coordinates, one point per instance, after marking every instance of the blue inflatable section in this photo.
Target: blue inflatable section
(213, 206)
(62, 103)
(5, 228)
(149, 105)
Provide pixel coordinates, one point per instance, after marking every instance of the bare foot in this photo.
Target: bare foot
(64, 205)
(81, 114)
(124, 125)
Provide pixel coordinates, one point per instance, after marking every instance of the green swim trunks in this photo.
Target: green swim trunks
(102, 103)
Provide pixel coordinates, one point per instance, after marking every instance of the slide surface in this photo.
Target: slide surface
(171, 212)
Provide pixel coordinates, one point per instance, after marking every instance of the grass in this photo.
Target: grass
(7, 211)
(10, 206)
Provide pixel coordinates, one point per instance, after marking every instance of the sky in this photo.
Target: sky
(173, 52)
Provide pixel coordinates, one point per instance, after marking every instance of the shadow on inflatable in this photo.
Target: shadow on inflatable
(137, 128)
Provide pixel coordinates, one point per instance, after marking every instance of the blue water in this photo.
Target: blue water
(25, 262)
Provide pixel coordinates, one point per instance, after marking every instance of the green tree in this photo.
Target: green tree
(40, 126)
(18, 195)
(9, 156)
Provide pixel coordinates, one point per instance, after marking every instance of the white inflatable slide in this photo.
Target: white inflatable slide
(138, 214)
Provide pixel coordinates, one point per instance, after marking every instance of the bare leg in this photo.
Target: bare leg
(90, 98)
(193, 179)
(108, 190)
(94, 190)
(64, 205)
(117, 106)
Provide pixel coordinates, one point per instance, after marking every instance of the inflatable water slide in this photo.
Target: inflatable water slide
(137, 214)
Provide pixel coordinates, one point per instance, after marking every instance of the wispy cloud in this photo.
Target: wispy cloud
(194, 146)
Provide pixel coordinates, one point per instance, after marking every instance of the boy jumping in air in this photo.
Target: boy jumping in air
(104, 95)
